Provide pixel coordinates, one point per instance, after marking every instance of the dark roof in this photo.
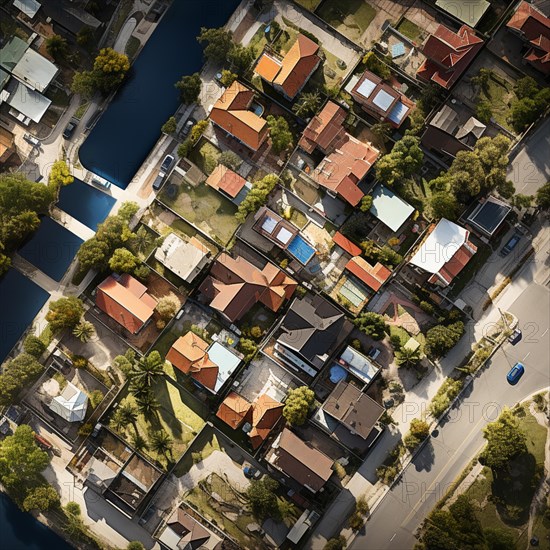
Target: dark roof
(193, 534)
(353, 408)
(314, 328)
(488, 215)
(71, 18)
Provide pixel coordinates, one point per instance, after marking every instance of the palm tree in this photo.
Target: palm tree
(147, 403)
(139, 443)
(57, 47)
(407, 357)
(127, 413)
(382, 130)
(308, 103)
(84, 331)
(160, 442)
(141, 240)
(117, 421)
(147, 370)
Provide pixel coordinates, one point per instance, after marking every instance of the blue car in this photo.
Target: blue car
(516, 372)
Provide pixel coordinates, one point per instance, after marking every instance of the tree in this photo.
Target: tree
(117, 421)
(248, 348)
(219, 43)
(140, 241)
(21, 460)
(499, 539)
(85, 37)
(147, 369)
(407, 357)
(297, 405)
(482, 78)
(83, 84)
(542, 197)
(110, 68)
(34, 346)
(526, 87)
(257, 196)
(522, 201)
(382, 131)
(372, 324)
(419, 428)
(74, 526)
(139, 443)
(241, 58)
(84, 331)
(147, 403)
(190, 88)
(440, 339)
(524, 112)
(375, 65)
(166, 308)
(128, 413)
(403, 161)
(444, 205)
(307, 104)
(366, 203)
(227, 78)
(506, 189)
(281, 136)
(170, 126)
(389, 257)
(337, 543)
(41, 498)
(16, 375)
(160, 442)
(57, 47)
(123, 261)
(230, 159)
(484, 111)
(135, 545)
(93, 254)
(262, 497)
(505, 440)
(65, 313)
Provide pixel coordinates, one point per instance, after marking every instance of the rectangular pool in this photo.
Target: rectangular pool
(51, 249)
(21, 300)
(301, 250)
(85, 203)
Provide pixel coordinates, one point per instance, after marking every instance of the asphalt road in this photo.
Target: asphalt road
(459, 437)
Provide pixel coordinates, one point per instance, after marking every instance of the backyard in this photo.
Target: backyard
(205, 155)
(410, 29)
(310, 5)
(350, 17)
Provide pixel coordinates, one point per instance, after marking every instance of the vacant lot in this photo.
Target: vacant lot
(350, 17)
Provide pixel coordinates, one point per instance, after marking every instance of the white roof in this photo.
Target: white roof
(28, 102)
(182, 258)
(226, 360)
(284, 235)
(28, 7)
(71, 404)
(383, 100)
(359, 365)
(467, 11)
(440, 246)
(35, 70)
(366, 87)
(390, 209)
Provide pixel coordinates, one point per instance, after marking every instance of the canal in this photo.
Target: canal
(130, 127)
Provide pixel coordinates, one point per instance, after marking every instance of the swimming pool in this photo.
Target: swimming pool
(85, 203)
(21, 300)
(51, 249)
(301, 250)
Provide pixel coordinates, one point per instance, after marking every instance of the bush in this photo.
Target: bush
(79, 362)
(86, 429)
(356, 344)
(338, 543)
(142, 273)
(361, 506)
(395, 341)
(427, 307)
(16, 375)
(248, 348)
(284, 263)
(440, 339)
(96, 397)
(386, 474)
(356, 522)
(256, 332)
(410, 441)
(297, 405)
(34, 346)
(166, 308)
(446, 393)
(372, 324)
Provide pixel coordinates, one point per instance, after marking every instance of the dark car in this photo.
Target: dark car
(166, 163)
(187, 127)
(510, 245)
(515, 337)
(516, 372)
(69, 129)
(157, 184)
(251, 473)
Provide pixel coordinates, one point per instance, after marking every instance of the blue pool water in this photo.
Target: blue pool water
(51, 249)
(302, 251)
(20, 300)
(85, 203)
(126, 133)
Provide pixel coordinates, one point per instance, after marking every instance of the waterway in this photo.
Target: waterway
(130, 127)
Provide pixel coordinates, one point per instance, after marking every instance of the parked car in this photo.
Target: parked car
(250, 472)
(510, 245)
(516, 372)
(157, 184)
(187, 127)
(373, 353)
(515, 337)
(32, 140)
(166, 163)
(69, 129)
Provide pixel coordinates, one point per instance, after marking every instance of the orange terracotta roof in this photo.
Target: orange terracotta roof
(224, 179)
(325, 130)
(186, 350)
(373, 276)
(268, 67)
(200, 246)
(346, 244)
(265, 414)
(233, 410)
(231, 114)
(126, 301)
(456, 264)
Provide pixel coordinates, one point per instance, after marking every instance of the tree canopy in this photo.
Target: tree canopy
(262, 497)
(257, 196)
(279, 131)
(404, 160)
(440, 339)
(297, 405)
(189, 87)
(542, 197)
(372, 324)
(65, 313)
(16, 375)
(218, 43)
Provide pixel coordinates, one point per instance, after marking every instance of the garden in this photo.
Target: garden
(350, 17)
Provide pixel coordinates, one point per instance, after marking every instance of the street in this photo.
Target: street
(460, 436)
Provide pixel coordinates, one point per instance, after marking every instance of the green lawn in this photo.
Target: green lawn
(500, 94)
(203, 446)
(205, 155)
(409, 29)
(350, 17)
(403, 335)
(132, 46)
(310, 5)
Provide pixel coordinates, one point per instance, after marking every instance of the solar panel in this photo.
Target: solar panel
(398, 112)
(397, 50)
(383, 100)
(366, 88)
(269, 224)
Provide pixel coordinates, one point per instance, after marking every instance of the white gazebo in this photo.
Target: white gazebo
(70, 404)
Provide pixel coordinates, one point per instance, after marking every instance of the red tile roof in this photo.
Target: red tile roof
(126, 301)
(373, 276)
(224, 179)
(455, 265)
(346, 244)
(325, 130)
(448, 54)
(265, 414)
(233, 410)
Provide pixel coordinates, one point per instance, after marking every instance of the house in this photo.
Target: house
(230, 184)
(487, 216)
(346, 245)
(186, 259)
(358, 364)
(373, 276)
(389, 208)
(451, 131)
(325, 130)
(125, 300)
(444, 253)
(381, 100)
(448, 55)
(234, 285)
(71, 18)
(233, 410)
(234, 114)
(71, 404)
(467, 11)
(291, 73)
(210, 365)
(29, 8)
(533, 27)
(355, 410)
(266, 412)
(310, 332)
(183, 532)
(300, 461)
(7, 145)
(341, 171)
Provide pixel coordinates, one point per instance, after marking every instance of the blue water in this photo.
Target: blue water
(20, 531)
(51, 249)
(85, 203)
(126, 133)
(20, 301)
(299, 248)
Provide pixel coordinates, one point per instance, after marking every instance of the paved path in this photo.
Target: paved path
(124, 35)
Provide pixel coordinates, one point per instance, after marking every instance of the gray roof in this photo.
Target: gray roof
(28, 7)
(28, 102)
(70, 17)
(35, 70)
(487, 216)
(446, 119)
(12, 52)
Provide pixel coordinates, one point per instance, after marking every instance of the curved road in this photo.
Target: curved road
(402, 510)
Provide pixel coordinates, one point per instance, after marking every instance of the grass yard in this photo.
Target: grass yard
(310, 5)
(499, 92)
(410, 29)
(205, 155)
(164, 343)
(132, 46)
(350, 17)
(204, 207)
(203, 446)
(400, 332)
